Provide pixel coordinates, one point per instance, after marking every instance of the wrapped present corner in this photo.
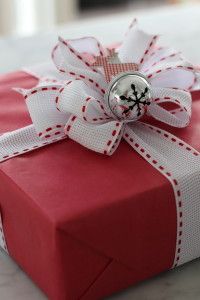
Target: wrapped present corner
(84, 224)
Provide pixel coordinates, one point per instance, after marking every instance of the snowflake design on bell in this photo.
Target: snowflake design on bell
(134, 101)
(128, 96)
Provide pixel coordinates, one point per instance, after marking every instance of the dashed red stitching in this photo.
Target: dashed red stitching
(100, 119)
(49, 129)
(33, 147)
(53, 51)
(60, 92)
(41, 89)
(73, 118)
(149, 48)
(33, 92)
(86, 78)
(170, 68)
(84, 108)
(79, 75)
(114, 132)
(70, 123)
(155, 52)
(175, 112)
(100, 48)
(174, 100)
(177, 194)
(131, 26)
(78, 55)
(104, 110)
(160, 60)
(194, 82)
(94, 119)
(52, 80)
(175, 182)
(174, 140)
(110, 141)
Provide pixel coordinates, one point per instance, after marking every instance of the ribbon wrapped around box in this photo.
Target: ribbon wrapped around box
(84, 224)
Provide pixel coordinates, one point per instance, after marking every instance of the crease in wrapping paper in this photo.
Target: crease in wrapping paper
(96, 279)
(2, 236)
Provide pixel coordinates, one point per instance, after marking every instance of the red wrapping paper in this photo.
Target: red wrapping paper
(81, 224)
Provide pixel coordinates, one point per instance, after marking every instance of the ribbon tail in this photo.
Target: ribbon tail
(179, 163)
(22, 141)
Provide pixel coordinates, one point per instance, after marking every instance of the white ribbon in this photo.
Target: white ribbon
(2, 237)
(70, 103)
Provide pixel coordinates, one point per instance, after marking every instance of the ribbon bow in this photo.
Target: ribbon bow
(75, 107)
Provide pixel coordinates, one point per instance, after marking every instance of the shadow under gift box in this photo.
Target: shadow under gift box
(81, 224)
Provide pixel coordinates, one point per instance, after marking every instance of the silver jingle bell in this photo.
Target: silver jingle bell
(128, 95)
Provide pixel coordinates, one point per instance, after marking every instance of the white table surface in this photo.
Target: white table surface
(181, 28)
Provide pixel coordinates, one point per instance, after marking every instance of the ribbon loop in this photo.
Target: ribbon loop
(178, 74)
(129, 52)
(81, 100)
(160, 57)
(68, 61)
(179, 98)
(46, 118)
(102, 138)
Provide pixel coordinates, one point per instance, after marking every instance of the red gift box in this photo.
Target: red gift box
(81, 224)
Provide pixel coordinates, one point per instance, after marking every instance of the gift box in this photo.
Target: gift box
(100, 165)
(83, 225)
